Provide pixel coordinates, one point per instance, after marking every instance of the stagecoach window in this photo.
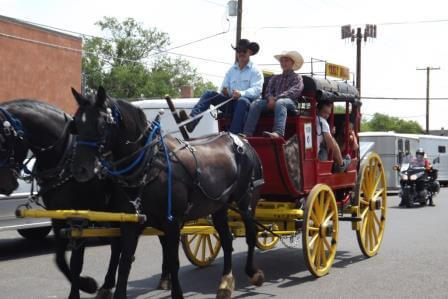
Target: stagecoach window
(407, 146)
(400, 145)
(442, 149)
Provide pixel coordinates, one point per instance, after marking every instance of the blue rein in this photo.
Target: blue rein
(156, 130)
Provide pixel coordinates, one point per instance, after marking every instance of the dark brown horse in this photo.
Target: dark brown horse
(43, 129)
(170, 181)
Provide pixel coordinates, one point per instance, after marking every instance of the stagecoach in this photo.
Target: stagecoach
(301, 198)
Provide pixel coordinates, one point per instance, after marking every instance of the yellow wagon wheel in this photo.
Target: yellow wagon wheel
(201, 249)
(370, 204)
(266, 240)
(320, 230)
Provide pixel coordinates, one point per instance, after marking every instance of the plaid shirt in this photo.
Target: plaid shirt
(289, 85)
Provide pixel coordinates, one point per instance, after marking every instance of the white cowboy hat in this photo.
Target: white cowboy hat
(294, 56)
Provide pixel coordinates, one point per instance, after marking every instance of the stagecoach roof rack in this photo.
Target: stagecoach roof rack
(330, 90)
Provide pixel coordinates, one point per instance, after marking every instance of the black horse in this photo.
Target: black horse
(169, 180)
(44, 129)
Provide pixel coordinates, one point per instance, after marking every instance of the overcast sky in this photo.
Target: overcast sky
(312, 27)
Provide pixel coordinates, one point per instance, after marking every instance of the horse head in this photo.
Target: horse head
(105, 129)
(13, 151)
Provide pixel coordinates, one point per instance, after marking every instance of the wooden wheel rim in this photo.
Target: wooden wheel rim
(371, 201)
(266, 241)
(320, 230)
(201, 249)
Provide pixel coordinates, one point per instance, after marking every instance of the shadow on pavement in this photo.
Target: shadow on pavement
(283, 267)
(16, 248)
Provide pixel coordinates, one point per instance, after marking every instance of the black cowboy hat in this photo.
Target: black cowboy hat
(245, 44)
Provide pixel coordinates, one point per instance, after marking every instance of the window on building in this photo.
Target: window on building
(442, 149)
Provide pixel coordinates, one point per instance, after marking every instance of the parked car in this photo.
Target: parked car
(29, 228)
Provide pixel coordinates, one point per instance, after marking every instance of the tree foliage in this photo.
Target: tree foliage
(383, 122)
(130, 62)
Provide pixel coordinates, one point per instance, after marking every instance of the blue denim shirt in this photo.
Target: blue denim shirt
(249, 80)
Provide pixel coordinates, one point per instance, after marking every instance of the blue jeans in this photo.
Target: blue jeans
(238, 108)
(282, 106)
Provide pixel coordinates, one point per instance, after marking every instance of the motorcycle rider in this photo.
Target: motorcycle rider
(422, 161)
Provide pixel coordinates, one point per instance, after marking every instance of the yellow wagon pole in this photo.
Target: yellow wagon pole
(81, 214)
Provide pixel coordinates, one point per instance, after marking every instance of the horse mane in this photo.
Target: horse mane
(33, 106)
(131, 112)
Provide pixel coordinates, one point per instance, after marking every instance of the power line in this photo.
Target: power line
(402, 98)
(106, 39)
(339, 25)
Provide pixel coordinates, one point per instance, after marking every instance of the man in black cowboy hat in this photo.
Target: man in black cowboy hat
(243, 83)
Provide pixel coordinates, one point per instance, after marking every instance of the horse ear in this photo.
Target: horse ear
(100, 97)
(79, 98)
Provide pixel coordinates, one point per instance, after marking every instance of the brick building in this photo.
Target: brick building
(38, 63)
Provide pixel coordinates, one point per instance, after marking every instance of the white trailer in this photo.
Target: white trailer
(436, 147)
(391, 147)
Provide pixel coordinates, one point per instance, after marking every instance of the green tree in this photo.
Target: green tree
(129, 62)
(383, 122)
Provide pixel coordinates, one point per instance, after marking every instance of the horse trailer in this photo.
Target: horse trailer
(393, 146)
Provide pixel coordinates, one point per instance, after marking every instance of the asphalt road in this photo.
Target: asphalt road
(412, 263)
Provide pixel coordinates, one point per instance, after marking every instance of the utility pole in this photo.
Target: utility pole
(238, 21)
(428, 69)
(236, 10)
(348, 32)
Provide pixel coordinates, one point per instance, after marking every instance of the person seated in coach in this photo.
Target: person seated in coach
(325, 141)
(243, 83)
(282, 94)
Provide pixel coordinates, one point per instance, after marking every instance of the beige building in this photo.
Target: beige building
(38, 63)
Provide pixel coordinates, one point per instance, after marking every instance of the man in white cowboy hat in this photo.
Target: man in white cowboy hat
(281, 95)
(243, 82)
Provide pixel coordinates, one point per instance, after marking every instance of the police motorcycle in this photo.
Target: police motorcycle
(418, 183)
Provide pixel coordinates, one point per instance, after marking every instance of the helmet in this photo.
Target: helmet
(420, 151)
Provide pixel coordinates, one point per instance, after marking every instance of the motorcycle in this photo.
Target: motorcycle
(418, 185)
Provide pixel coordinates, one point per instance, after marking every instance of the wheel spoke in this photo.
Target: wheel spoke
(204, 246)
(329, 217)
(327, 204)
(317, 260)
(210, 245)
(364, 202)
(313, 252)
(313, 229)
(375, 217)
(191, 240)
(314, 217)
(323, 255)
(327, 244)
(313, 239)
(198, 243)
(363, 214)
(369, 233)
(378, 193)
(375, 235)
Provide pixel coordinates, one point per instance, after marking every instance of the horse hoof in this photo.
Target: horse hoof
(104, 294)
(224, 294)
(258, 278)
(164, 284)
(88, 284)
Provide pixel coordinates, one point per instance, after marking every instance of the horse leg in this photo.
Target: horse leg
(165, 279)
(172, 235)
(129, 239)
(76, 263)
(86, 284)
(256, 276)
(105, 292)
(227, 284)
